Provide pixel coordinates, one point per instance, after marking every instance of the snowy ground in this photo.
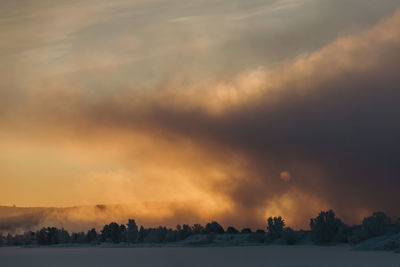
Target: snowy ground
(197, 256)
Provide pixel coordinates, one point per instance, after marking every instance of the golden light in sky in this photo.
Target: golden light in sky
(174, 112)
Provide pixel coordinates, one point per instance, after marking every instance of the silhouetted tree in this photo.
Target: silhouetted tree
(41, 236)
(375, 224)
(132, 231)
(396, 227)
(172, 236)
(2, 241)
(91, 236)
(289, 235)
(155, 235)
(51, 236)
(325, 227)
(197, 229)
(184, 232)
(123, 234)
(141, 235)
(343, 233)
(78, 238)
(275, 227)
(214, 227)
(26, 238)
(19, 240)
(63, 236)
(9, 240)
(113, 232)
(232, 230)
(356, 234)
(246, 231)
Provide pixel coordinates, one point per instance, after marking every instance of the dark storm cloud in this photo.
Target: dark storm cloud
(336, 115)
(329, 118)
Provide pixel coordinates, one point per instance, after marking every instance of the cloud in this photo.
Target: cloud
(330, 117)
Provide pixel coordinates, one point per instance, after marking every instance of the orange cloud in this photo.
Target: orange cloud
(215, 149)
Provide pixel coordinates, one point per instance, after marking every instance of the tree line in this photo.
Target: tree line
(324, 228)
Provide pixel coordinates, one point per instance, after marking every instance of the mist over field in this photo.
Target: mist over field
(19, 220)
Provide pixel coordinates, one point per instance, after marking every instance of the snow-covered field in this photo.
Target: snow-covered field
(197, 256)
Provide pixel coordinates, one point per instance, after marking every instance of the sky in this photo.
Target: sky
(228, 110)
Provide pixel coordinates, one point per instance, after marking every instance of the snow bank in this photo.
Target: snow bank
(257, 256)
